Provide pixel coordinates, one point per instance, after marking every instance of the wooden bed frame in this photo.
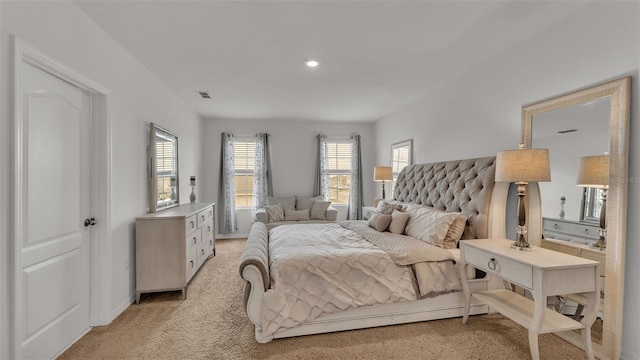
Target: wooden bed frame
(466, 186)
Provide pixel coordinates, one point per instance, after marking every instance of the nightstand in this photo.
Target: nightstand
(367, 211)
(541, 271)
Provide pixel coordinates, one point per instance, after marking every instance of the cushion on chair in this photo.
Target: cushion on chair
(288, 202)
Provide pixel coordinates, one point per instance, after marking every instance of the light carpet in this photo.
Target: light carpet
(211, 324)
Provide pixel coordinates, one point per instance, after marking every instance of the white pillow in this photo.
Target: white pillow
(296, 215)
(318, 210)
(429, 224)
(399, 221)
(274, 212)
(304, 202)
(286, 202)
(379, 221)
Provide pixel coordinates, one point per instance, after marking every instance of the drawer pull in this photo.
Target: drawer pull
(555, 226)
(209, 228)
(202, 252)
(195, 240)
(586, 231)
(492, 264)
(203, 218)
(210, 242)
(192, 224)
(191, 263)
(210, 213)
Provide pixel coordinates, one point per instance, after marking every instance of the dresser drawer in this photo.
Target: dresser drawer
(191, 224)
(205, 216)
(193, 240)
(207, 230)
(516, 272)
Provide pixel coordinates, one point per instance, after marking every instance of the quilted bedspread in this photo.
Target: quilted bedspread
(318, 269)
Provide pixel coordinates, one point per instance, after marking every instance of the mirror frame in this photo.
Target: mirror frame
(619, 93)
(154, 130)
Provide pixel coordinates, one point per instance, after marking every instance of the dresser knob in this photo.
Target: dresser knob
(586, 231)
(492, 264)
(195, 241)
(555, 226)
(202, 252)
(191, 263)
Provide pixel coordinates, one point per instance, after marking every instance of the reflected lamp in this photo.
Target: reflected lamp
(594, 173)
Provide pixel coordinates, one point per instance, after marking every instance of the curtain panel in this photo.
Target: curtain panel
(356, 197)
(226, 190)
(321, 180)
(262, 183)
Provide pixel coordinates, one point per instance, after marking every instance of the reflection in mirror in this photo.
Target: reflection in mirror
(163, 169)
(587, 122)
(571, 133)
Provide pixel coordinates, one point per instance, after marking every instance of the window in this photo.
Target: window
(401, 156)
(591, 204)
(244, 153)
(339, 170)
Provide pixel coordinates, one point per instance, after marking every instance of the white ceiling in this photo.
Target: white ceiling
(375, 56)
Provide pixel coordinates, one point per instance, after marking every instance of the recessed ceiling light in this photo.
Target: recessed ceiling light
(312, 63)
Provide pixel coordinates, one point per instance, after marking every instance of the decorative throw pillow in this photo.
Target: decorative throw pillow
(429, 224)
(399, 221)
(455, 232)
(286, 202)
(296, 215)
(274, 212)
(384, 207)
(379, 221)
(304, 202)
(318, 210)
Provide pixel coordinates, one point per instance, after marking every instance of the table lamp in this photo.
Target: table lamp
(594, 173)
(522, 166)
(382, 173)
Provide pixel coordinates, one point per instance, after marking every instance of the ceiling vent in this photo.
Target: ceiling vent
(567, 131)
(204, 94)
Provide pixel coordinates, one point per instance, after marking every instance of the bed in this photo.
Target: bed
(280, 305)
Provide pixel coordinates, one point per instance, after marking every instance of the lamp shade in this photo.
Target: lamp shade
(523, 165)
(382, 173)
(594, 171)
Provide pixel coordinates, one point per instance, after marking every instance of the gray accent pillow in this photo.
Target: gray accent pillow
(295, 215)
(286, 202)
(274, 212)
(399, 221)
(318, 210)
(379, 221)
(305, 202)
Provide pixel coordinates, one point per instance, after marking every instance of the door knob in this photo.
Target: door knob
(89, 221)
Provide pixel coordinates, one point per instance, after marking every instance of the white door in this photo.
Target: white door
(52, 307)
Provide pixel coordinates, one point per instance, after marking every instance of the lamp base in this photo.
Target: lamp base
(521, 242)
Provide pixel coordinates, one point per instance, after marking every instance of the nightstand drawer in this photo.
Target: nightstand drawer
(515, 272)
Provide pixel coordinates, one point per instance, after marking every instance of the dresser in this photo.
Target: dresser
(543, 273)
(568, 230)
(171, 245)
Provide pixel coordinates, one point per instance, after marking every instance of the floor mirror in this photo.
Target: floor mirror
(586, 122)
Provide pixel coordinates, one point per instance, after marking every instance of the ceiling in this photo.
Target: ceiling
(375, 56)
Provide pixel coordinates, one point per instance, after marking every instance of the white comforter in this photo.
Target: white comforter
(318, 269)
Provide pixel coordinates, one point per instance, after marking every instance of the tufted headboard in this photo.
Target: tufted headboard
(466, 186)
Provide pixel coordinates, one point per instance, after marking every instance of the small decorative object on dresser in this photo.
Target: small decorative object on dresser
(171, 245)
(192, 197)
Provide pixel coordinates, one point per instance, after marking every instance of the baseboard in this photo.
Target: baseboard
(122, 307)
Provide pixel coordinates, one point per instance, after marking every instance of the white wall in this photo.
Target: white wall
(293, 153)
(66, 34)
(478, 113)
